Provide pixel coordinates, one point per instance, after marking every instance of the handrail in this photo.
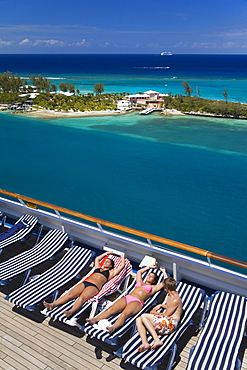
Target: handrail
(129, 230)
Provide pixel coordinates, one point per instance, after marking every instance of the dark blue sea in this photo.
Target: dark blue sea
(182, 178)
(208, 74)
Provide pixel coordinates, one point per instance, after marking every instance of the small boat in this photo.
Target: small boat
(166, 53)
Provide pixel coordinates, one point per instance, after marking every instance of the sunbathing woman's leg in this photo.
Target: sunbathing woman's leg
(131, 309)
(117, 307)
(87, 293)
(71, 294)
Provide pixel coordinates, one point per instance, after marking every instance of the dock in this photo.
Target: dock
(150, 110)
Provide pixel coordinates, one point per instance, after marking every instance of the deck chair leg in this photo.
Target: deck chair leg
(172, 356)
(39, 231)
(203, 313)
(27, 274)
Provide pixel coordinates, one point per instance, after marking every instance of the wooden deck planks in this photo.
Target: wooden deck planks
(27, 343)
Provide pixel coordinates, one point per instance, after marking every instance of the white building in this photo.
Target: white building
(123, 105)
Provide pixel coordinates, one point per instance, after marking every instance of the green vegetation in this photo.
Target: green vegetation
(12, 86)
(99, 88)
(187, 89)
(10, 83)
(188, 104)
(82, 103)
(66, 87)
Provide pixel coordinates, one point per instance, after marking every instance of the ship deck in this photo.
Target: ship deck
(30, 341)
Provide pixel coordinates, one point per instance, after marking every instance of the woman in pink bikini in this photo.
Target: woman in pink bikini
(133, 302)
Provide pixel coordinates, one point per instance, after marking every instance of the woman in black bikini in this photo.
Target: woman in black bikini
(90, 287)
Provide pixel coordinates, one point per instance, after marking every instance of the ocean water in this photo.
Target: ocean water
(210, 74)
(183, 178)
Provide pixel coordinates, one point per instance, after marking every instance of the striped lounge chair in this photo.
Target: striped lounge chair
(192, 298)
(108, 288)
(48, 283)
(49, 245)
(112, 339)
(221, 337)
(18, 231)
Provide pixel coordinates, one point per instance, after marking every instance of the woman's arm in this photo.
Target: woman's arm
(118, 269)
(141, 271)
(99, 258)
(161, 285)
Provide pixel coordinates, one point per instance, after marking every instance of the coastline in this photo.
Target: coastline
(45, 113)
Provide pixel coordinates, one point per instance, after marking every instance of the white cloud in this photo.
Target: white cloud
(81, 43)
(233, 33)
(5, 43)
(50, 42)
(204, 45)
(25, 42)
(105, 45)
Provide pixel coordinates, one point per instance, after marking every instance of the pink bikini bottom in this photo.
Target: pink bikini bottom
(130, 298)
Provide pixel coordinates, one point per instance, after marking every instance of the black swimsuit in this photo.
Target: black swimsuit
(87, 283)
(105, 273)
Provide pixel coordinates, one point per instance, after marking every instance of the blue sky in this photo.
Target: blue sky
(133, 27)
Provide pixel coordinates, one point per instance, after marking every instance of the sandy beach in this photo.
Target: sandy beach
(45, 113)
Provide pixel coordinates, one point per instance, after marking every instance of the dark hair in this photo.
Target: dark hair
(156, 278)
(170, 283)
(112, 264)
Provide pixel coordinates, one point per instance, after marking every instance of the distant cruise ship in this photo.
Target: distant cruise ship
(166, 53)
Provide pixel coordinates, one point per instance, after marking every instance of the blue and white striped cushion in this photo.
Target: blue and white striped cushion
(20, 234)
(192, 298)
(108, 288)
(34, 292)
(219, 342)
(51, 243)
(104, 335)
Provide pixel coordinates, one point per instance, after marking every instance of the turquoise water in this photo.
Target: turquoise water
(182, 178)
(211, 74)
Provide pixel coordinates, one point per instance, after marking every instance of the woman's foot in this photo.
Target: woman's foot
(144, 347)
(156, 344)
(91, 321)
(49, 306)
(68, 314)
(110, 329)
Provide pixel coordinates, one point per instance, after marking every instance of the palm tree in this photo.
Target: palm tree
(187, 89)
(225, 94)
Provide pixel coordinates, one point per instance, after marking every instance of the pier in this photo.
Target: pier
(150, 110)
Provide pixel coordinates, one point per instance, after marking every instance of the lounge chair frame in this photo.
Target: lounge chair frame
(75, 260)
(23, 233)
(53, 242)
(192, 299)
(221, 337)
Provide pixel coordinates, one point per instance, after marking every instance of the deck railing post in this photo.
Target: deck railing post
(209, 261)
(174, 271)
(100, 227)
